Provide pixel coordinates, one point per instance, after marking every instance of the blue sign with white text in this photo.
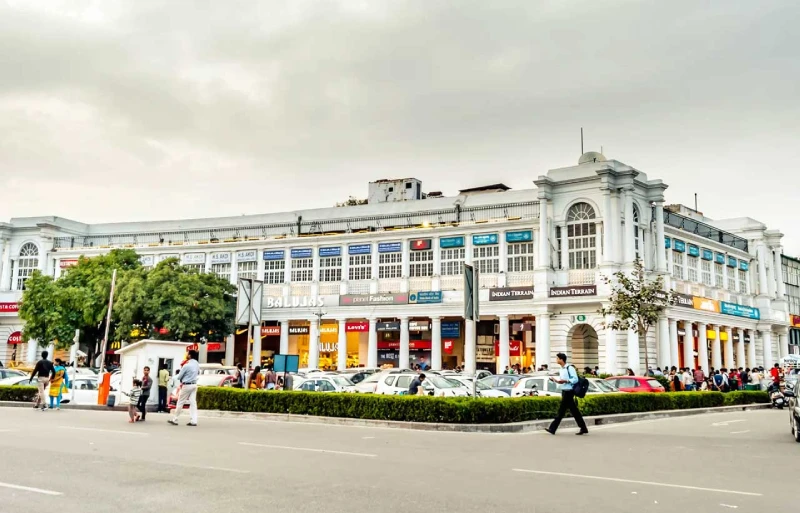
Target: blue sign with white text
(390, 247)
(360, 249)
(330, 252)
(731, 261)
(667, 242)
(694, 250)
(523, 236)
(302, 253)
(278, 254)
(708, 254)
(739, 310)
(425, 297)
(451, 242)
(719, 258)
(451, 329)
(679, 246)
(484, 239)
(744, 265)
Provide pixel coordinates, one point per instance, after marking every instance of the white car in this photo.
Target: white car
(481, 389)
(392, 382)
(216, 368)
(82, 390)
(545, 386)
(327, 384)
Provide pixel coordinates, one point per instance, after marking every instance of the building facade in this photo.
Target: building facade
(791, 280)
(381, 283)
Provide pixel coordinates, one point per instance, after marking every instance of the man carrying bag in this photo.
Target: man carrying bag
(571, 385)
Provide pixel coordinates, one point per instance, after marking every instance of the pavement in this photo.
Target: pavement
(89, 461)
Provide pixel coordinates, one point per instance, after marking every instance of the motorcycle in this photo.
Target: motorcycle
(776, 396)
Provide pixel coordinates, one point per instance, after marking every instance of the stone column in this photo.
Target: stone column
(663, 342)
(313, 345)
(544, 245)
(202, 352)
(469, 347)
(729, 348)
(543, 340)
(688, 345)
(751, 350)
(284, 343)
(230, 348)
(763, 287)
(33, 352)
(405, 271)
(673, 342)
(504, 359)
(611, 348)
(5, 265)
(633, 352)
(372, 348)
(564, 248)
(436, 343)
(375, 259)
(598, 242)
(702, 346)
(256, 334)
(608, 223)
(783, 344)
(740, 350)
(766, 337)
(630, 237)
(716, 350)
(404, 344)
(772, 275)
(661, 254)
(781, 287)
(437, 257)
(341, 347)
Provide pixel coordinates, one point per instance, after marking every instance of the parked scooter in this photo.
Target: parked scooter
(776, 396)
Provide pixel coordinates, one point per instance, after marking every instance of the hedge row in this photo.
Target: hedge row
(18, 393)
(457, 410)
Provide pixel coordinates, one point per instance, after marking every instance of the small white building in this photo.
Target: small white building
(149, 353)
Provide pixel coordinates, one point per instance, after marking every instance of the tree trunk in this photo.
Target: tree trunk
(643, 343)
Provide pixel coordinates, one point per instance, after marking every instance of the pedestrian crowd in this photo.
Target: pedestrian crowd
(717, 380)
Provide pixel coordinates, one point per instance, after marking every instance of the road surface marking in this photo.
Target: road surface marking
(96, 430)
(307, 449)
(203, 467)
(740, 432)
(726, 422)
(368, 438)
(29, 489)
(631, 481)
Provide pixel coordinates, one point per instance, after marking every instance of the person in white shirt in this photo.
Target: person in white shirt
(188, 392)
(688, 380)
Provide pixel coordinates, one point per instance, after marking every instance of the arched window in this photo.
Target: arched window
(27, 263)
(582, 236)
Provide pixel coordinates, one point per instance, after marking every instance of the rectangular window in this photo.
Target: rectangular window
(274, 272)
(390, 265)
(360, 267)
(452, 261)
(743, 282)
(581, 246)
(302, 269)
(487, 259)
(330, 269)
(677, 265)
(222, 270)
(706, 268)
(520, 257)
(691, 266)
(732, 280)
(247, 270)
(718, 276)
(421, 263)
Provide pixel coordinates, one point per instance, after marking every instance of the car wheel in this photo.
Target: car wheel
(795, 430)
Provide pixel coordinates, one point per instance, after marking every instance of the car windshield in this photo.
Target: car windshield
(654, 383)
(342, 381)
(209, 380)
(440, 382)
(604, 386)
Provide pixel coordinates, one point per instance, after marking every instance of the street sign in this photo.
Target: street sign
(581, 318)
(470, 307)
(249, 301)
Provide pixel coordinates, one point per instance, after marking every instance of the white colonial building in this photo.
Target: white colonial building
(382, 282)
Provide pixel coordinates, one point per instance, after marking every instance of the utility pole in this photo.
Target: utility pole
(108, 323)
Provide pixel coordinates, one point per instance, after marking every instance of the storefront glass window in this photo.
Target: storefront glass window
(302, 269)
(390, 265)
(360, 267)
(452, 261)
(330, 269)
(421, 263)
(274, 271)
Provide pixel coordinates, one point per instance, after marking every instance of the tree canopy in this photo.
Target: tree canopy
(169, 301)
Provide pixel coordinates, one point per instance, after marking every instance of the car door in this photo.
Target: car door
(402, 384)
(385, 387)
(628, 385)
(84, 391)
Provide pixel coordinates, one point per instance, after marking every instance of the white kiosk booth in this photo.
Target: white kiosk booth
(149, 353)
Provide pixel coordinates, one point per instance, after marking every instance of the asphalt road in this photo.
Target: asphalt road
(84, 461)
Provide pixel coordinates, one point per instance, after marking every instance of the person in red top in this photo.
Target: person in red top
(775, 372)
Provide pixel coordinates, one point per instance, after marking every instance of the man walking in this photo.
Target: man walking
(568, 377)
(43, 371)
(147, 384)
(187, 378)
(163, 383)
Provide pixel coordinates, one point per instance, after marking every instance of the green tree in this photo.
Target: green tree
(44, 308)
(635, 303)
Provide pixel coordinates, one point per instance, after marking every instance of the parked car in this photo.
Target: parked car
(327, 384)
(636, 384)
(481, 389)
(790, 393)
(439, 386)
(11, 373)
(394, 381)
(203, 380)
(216, 368)
(503, 382)
(358, 375)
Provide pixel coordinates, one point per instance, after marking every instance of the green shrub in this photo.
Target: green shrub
(18, 393)
(664, 380)
(746, 397)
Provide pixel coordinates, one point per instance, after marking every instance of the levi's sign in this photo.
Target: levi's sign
(574, 291)
(510, 293)
(373, 299)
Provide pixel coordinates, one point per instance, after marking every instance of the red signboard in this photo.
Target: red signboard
(418, 345)
(420, 244)
(448, 346)
(9, 307)
(357, 327)
(269, 331)
(795, 320)
(515, 348)
(213, 347)
(15, 338)
(68, 262)
(163, 331)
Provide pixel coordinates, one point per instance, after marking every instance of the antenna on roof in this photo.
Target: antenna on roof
(581, 140)
(695, 202)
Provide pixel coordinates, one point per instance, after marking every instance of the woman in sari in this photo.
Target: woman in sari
(58, 384)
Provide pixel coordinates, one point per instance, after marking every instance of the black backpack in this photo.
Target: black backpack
(582, 386)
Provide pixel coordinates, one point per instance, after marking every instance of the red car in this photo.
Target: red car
(636, 384)
(204, 380)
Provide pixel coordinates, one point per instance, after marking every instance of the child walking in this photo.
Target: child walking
(135, 394)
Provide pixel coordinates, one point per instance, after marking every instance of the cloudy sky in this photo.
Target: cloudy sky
(116, 111)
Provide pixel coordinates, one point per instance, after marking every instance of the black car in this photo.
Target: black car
(790, 393)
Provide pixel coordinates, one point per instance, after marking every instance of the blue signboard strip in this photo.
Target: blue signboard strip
(274, 255)
(360, 249)
(451, 242)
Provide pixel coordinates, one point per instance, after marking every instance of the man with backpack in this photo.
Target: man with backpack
(571, 385)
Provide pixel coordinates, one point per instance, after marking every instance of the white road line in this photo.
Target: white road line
(631, 481)
(203, 467)
(8, 430)
(96, 430)
(740, 432)
(307, 449)
(726, 422)
(29, 489)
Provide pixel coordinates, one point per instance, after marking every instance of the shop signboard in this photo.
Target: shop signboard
(194, 258)
(359, 249)
(447, 346)
(521, 326)
(329, 328)
(748, 312)
(793, 319)
(147, 260)
(451, 242)
(514, 348)
(484, 354)
(270, 331)
(356, 327)
(373, 299)
(694, 250)
(679, 246)
(294, 302)
(705, 304)
(451, 329)
(301, 253)
(328, 347)
(165, 256)
(220, 258)
(247, 255)
(425, 297)
(416, 345)
(667, 242)
(387, 356)
(299, 330)
(708, 254)
(484, 239)
(9, 307)
(719, 258)
(390, 247)
(574, 291)
(744, 265)
(334, 251)
(388, 326)
(523, 236)
(683, 300)
(420, 244)
(510, 293)
(274, 254)
(419, 326)
(67, 262)
(15, 338)
(731, 261)
(211, 347)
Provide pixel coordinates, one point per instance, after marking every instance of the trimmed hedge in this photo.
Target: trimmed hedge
(457, 410)
(18, 393)
(745, 397)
